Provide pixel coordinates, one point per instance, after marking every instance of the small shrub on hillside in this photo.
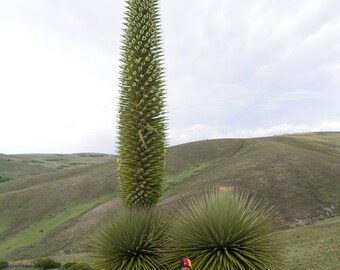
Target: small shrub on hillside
(3, 264)
(69, 265)
(4, 179)
(80, 266)
(46, 263)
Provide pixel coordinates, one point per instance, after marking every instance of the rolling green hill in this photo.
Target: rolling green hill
(18, 166)
(52, 202)
(312, 247)
(300, 174)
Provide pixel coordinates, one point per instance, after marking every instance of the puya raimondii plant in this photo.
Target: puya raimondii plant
(141, 124)
(133, 239)
(225, 230)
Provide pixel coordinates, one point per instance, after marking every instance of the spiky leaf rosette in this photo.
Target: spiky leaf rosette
(223, 230)
(141, 135)
(133, 239)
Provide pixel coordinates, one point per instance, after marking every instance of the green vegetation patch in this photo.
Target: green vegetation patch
(17, 166)
(175, 178)
(313, 247)
(39, 230)
(173, 181)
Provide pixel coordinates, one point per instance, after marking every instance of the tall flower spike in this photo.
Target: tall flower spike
(141, 133)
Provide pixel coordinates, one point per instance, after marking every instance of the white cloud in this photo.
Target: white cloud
(192, 133)
(287, 129)
(54, 99)
(203, 132)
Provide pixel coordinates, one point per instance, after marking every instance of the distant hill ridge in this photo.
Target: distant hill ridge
(59, 198)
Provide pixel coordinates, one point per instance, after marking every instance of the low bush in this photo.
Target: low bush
(46, 263)
(4, 179)
(3, 264)
(80, 266)
(68, 265)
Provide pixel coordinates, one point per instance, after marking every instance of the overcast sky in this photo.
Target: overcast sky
(234, 69)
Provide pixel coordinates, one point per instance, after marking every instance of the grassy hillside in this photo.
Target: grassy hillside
(34, 209)
(17, 166)
(65, 196)
(299, 174)
(313, 247)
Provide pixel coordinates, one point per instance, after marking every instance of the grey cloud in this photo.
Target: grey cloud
(232, 67)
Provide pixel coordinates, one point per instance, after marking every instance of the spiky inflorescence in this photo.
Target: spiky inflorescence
(141, 135)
